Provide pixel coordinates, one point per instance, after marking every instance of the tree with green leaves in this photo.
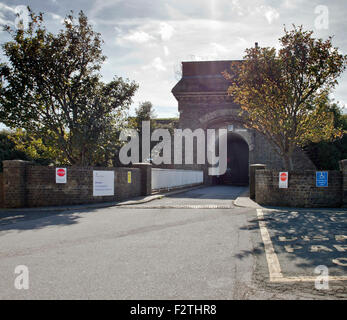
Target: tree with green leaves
(327, 154)
(51, 87)
(283, 93)
(8, 150)
(144, 112)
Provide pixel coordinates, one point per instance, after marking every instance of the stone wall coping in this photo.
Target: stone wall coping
(34, 165)
(296, 171)
(343, 165)
(16, 163)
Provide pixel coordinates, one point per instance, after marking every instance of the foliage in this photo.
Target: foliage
(167, 123)
(284, 94)
(52, 88)
(327, 154)
(8, 149)
(35, 148)
(18, 145)
(144, 112)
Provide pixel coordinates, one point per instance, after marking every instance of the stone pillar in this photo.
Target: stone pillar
(252, 169)
(14, 183)
(343, 168)
(146, 177)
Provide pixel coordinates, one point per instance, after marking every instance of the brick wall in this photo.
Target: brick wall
(203, 102)
(27, 185)
(14, 179)
(343, 168)
(301, 191)
(1, 190)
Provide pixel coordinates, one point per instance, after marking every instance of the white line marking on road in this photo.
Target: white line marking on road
(308, 279)
(273, 263)
(271, 256)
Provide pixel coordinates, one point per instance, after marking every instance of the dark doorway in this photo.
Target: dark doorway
(237, 161)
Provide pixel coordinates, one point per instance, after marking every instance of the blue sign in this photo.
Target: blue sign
(321, 178)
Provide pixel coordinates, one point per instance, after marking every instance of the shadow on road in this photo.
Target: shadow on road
(305, 238)
(217, 192)
(31, 219)
(37, 220)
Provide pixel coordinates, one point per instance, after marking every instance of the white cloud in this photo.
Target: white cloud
(268, 12)
(143, 32)
(138, 37)
(56, 16)
(156, 64)
(292, 4)
(4, 21)
(219, 48)
(147, 40)
(4, 7)
(166, 31)
(166, 50)
(5, 11)
(153, 65)
(237, 7)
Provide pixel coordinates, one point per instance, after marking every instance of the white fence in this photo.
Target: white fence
(169, 178)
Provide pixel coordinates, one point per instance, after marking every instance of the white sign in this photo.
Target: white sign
(283, 180)
(60, 175)
(103, 183)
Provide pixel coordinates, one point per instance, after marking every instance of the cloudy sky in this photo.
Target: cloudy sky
(146, 40)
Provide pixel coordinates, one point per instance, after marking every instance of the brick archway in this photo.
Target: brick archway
(238, 160)
(222, 119)
(203, 102)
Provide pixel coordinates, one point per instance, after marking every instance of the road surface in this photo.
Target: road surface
(193, 245)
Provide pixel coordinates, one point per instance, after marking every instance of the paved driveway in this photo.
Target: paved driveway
(133, 252)
(215, 197)
(157, 251)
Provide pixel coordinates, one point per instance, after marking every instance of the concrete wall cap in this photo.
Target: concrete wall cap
(343, 165)
(16, 163)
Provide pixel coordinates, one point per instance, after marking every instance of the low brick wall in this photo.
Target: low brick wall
(1, 190)
(27, 185)
(301, 191)
(343, 168)
(43, 191)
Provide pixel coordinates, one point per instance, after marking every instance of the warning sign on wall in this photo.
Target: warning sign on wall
(283, 180)
(129, 176)
(60, 175)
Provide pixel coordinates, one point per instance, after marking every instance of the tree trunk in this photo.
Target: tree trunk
(288, 162)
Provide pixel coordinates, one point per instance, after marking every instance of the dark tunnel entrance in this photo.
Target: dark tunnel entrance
(237, 161)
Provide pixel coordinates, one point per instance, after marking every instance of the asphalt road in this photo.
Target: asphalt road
(194, 245)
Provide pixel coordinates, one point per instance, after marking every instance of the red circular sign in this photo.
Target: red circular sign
(283, 176)
(61, 172)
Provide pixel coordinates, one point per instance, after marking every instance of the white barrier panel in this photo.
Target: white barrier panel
(168, 178)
